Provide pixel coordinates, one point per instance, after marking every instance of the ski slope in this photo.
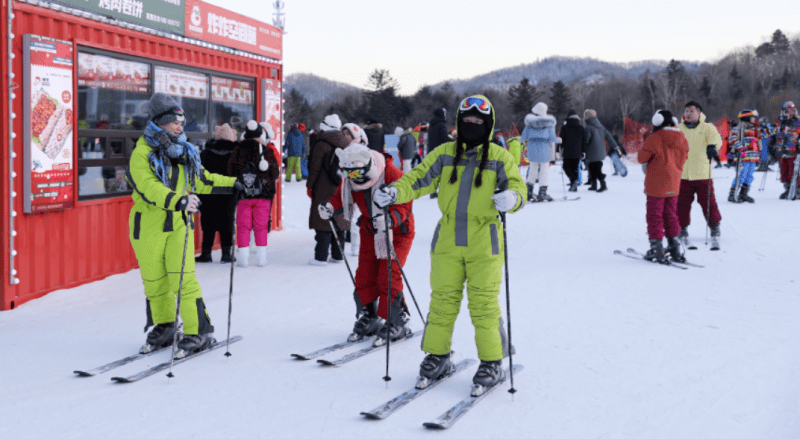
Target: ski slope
(612, 347)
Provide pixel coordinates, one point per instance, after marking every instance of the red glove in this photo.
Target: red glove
(308, 191)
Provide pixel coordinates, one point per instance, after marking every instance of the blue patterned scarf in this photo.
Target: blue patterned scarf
(165, 147)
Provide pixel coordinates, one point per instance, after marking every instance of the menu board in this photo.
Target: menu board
(181, 83)
(48, 121)
(231, 91)
(271, 106)
(105, 72)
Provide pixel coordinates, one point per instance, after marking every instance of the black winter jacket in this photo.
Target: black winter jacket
(573, 138)
(437, 130)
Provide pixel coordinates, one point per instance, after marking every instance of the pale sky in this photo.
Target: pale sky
(425, 42)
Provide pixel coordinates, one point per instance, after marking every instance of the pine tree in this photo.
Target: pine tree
(705, 90)
(522, 98)
(736, 83)
(298, 110)
(559, 99)
(779, 42)
(765, 50)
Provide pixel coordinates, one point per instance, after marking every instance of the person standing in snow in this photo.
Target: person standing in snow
(665, 151)
(355, 136)
(253, 160)
(596, 138)
(539, 135)
(215, 210)
(437, 134)
(787, 138)
(406, 147)
(745, 144)
(573, 143)
(323, 180)
(704, 143)
(165, 172)
(365, 171)
(468, 241)
(375, 134)
(295, 148)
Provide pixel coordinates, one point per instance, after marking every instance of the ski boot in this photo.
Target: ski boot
(160, 336)
(603, 186)
(674, 249)
(785, 193)
(573, 187)
(530, 193)
(367, 324)
(656, 252)
(432, 368)
(190, 344)
(205, 256)
(397, 327)
(683, 237)
(715, 234)
(488, 375)
(543, 194)
(732, 195)
(226, 256)
(743, 197)
(593, 186)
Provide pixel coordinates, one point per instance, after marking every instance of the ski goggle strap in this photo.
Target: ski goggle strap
(480, 104)
(177, 111)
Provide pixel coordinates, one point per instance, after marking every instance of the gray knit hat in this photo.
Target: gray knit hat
(164, 109)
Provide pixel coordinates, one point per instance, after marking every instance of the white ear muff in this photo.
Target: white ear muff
(262, 165)
(657, 119)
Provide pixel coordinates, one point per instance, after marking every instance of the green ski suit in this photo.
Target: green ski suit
(157, 229)
(467, 244)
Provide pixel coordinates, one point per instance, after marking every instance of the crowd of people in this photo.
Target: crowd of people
(359, 195)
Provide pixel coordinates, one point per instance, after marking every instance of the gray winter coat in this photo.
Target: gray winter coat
(596, 137)
(540, 133)
(406, 146)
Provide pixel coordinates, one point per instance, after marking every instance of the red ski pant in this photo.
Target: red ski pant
(686, 198)
(787, 169)
(372, 280)
(662, 217)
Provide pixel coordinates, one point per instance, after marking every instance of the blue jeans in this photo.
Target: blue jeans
(745, 174)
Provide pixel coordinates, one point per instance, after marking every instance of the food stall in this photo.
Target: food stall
(77, 78)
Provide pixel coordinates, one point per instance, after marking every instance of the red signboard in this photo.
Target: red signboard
(106, 72)
(231, 91)
(219, 26)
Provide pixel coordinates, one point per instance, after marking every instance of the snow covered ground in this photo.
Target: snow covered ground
(612, 347)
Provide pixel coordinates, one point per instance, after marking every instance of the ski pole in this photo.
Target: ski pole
(341, 248)
(230, 292)
(408, 285)
(708, 200)
(189, 225)
(763, 180)
(387, 378)
(512, 390)
(563, 185)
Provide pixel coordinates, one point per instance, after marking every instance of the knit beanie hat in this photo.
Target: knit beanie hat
(225, 132)
(301, 127)
(331, 123)
(164, 109)
(253, 131)
(540, 109)
(398, 131)
(588, 114)
(572, 113)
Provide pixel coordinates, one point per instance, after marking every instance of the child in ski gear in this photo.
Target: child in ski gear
(295, 148)
(216, 210)
(323, 180)
(355, 136)
(704, 142)
(664, 152)
(787, 136)
(254, 162)
(468, 242)
(745, 144)
(165, 173)
(539, 135)
(596, 138)
(365, 171)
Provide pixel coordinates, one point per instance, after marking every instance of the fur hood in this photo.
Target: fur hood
(373, 126)
(534, 121)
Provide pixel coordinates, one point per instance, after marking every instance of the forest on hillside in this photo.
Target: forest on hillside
(758, 78)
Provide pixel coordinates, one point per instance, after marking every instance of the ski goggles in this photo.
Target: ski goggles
(357, 173)
(477, 103)
(177, 111)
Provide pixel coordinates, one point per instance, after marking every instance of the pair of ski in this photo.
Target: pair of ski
(555, 199)
(633, 254)
(153, 370)
(450, 416)
(690, 246)
(353, 355)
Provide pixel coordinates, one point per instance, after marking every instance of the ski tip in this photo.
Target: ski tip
(299, 357)
(617, 252)
(120, 380)
(81, 373)
(434, 426)
(325, 363)
(369, 415)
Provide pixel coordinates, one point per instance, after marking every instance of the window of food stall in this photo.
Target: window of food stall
(113, 95)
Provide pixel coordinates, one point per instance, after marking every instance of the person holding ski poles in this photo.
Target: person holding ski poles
(165, 174)
(745, 143)
(665, 152)
(787, 136)
(365, 171)
(468, 241)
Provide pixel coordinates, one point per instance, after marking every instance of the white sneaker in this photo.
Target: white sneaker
(336, 261)
(261, 255)
(243, 257)
(317, 263)
(353, 250)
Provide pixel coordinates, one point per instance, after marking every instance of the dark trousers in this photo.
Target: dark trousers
(327, 241)
(571, 169)
(216, 216)
(662, 217)
(596, 171)
(686, 198)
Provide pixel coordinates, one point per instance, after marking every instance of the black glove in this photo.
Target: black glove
(711, 151)
(238, 191)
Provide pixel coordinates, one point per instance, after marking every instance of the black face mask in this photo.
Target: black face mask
(472, 133)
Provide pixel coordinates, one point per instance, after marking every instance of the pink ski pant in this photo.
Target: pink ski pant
(252, 214)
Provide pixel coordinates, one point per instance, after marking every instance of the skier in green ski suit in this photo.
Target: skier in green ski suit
(164, 201)
(468, 241)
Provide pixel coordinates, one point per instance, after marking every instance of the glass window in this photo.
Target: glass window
(232, 102)
(190, 90)
(111, 91)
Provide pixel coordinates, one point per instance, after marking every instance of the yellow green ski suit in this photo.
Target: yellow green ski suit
(467, 244)
(157, 229)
